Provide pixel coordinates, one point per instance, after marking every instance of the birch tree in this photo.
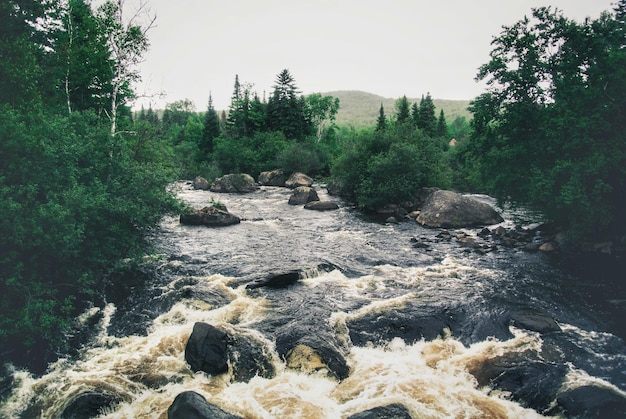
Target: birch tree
(127, 41)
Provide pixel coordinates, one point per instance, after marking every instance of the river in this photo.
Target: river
(437, 327)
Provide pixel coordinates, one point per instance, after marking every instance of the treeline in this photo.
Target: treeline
(292, 132)
(80, 182)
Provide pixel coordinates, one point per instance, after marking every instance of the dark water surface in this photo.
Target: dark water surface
(440, 328)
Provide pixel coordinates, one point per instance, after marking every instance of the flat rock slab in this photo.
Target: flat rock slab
(321, 206)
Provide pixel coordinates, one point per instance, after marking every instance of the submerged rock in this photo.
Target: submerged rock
(303, 195)
(89, 404)
(321, 206)
(298, 179)
(537, 322)
(280, 280)
(273, 178)
(192, 405)
(592, 402)
(448, 209)
(210, 216)
(390, 411)
(234, 183)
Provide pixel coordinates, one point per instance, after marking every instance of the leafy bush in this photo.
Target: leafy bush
(73, 202)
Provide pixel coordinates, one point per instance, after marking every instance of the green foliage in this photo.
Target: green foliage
(550, 132)
(69, 213)
(384, 167)
(250, 155)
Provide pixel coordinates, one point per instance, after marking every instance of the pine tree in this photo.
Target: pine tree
(427, 121)
(415, 113)
(442, 126)
(381, 122)
(211, 128)
(285, 111)
(402, 113)
(237, 121)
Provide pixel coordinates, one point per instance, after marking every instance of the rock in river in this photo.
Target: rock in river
(210, 216)
(449, 209)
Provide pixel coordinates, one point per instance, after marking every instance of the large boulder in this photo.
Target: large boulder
(273, 178)
(321, 206)
(210, 216)
(303, 195)
(448, 209)
(234, 183)
(298, 179)
(192, 405)
(212, 350)
(200, 183)
(206, 349)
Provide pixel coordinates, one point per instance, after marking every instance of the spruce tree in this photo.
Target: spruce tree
(427, 120)
(285, 111)
(442, 126)
(402, 113)
(381, 122)
(211, 128)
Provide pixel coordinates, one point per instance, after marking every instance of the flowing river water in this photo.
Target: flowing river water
(439, 328)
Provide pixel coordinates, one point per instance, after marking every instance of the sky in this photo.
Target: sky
(390, 48)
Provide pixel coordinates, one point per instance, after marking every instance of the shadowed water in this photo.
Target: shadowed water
(440, 329)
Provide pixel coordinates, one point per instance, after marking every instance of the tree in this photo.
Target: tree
(322, 112)
(381, 121)
(442, 127)
(402, 110)
(211, 128)
(127, 42)
(550, 130)
(85, 72)
(285, 110)
(427, 121)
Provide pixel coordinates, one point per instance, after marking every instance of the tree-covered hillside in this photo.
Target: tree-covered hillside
(360, 109)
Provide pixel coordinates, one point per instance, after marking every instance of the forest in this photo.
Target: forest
(83, 177)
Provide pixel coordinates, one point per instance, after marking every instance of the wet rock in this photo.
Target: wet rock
(192, 405)
(537, 322)
(391, 411)
(391, 220)
(592, 402)
(529, 380)
(200, 183)
(548, 247)
(307, 347)
(273, 178)
(334, 187)
(280, 280)
(234, 183)
(298, 179)
(321, 206)
(448, 209)
(210, 216)
(89, 404)
(303, 195)
(249, 357)
(212, 350)
(206, 349)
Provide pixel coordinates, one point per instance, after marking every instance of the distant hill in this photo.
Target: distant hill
(359, 109)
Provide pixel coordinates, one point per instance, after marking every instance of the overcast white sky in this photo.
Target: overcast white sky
(390, 48)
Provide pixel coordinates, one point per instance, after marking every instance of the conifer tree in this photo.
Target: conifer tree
(211, 128)
(285, 111)
(427, 121)
(402, 113)
(442, 126)
(381, 122)
(415, 113)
